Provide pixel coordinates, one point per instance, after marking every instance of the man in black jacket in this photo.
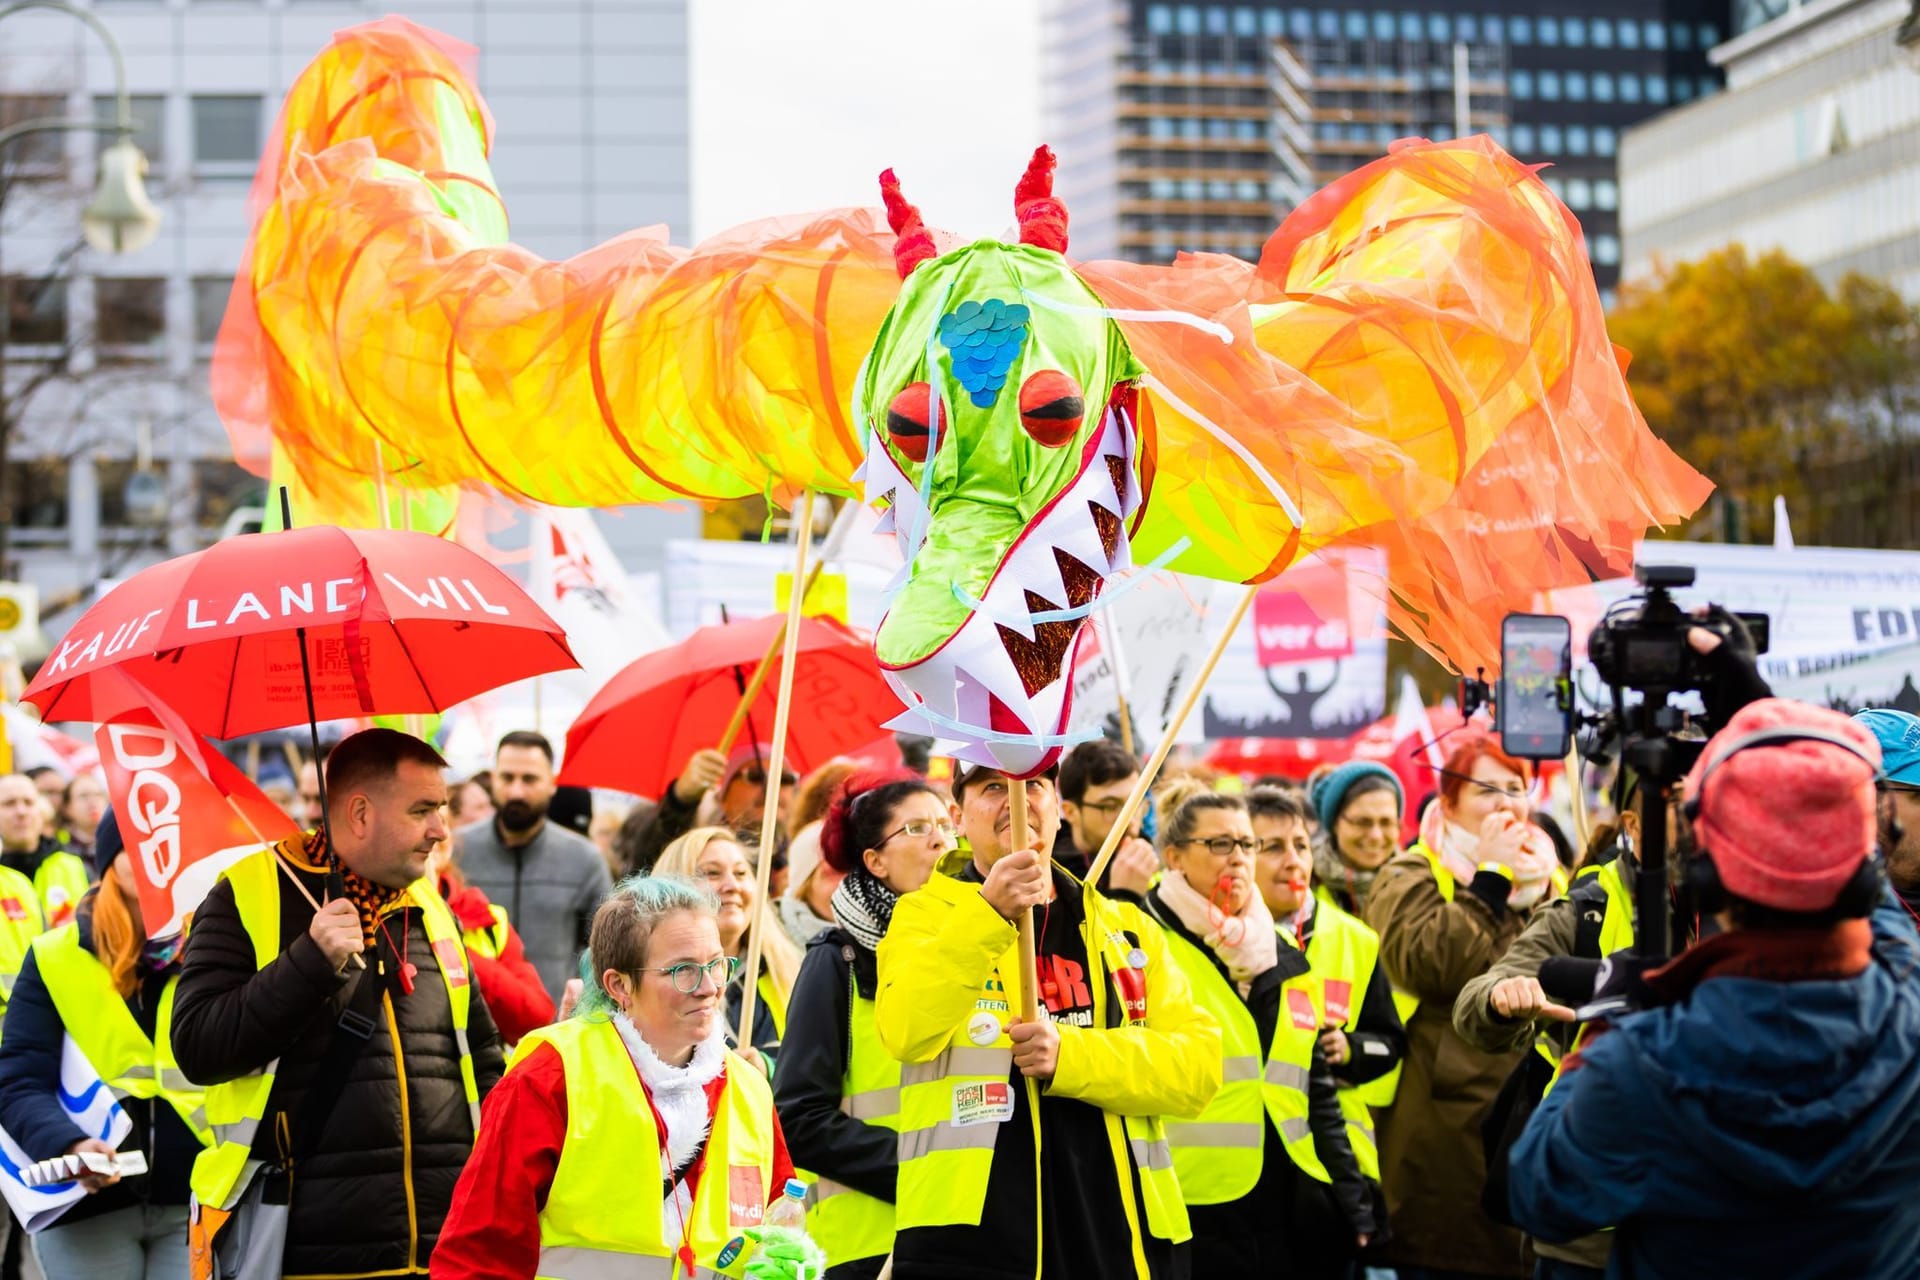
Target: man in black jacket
(372, 1176)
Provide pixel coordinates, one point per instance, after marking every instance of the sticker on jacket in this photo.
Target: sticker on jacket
(1133, 992)
(1339, 999)
(15, 909)
(453, 962)
(989, 1103)
(746, 1196)
(1300, 1008)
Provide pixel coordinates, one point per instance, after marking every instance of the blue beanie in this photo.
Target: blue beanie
(1899, 735)
(1330, 792)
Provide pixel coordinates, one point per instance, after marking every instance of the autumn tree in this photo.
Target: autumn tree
(1760, 375)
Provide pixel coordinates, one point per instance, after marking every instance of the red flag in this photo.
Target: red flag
(185, 811)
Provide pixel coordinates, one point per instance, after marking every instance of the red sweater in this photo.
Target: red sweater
(492, 1231)
(510, 984)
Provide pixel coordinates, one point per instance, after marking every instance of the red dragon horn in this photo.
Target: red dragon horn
(914, 244)
(1043, 218)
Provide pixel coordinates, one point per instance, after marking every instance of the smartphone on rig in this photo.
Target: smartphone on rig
(1533, 706)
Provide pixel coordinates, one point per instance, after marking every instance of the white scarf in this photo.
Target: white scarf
(1459, 851)
(680, 1096)
(1246, 944)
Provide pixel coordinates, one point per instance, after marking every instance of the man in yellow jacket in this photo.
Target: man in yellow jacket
(1031, 1149)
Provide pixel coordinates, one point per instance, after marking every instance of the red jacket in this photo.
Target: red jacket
(510, 984)
(492, 1231)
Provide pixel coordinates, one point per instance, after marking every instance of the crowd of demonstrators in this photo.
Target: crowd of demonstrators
(1271, 1180)
(515, 995)
(1095, 779)
(1035, 1147)
(717, 790)
(838, 1089)
(83, 803)
(722, 862)
(1761, 1114)
(1360, 806)
(1361, 1035)
(1446, 910)
(603, 831)
(471, 801)
(100, 981)
(642, 1068)
(806, 907)
(343, 1095)
(549, 879)
(58, 878)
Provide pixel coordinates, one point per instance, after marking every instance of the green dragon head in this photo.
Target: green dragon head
(997, 398)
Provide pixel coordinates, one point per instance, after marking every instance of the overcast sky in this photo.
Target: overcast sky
(799, 104)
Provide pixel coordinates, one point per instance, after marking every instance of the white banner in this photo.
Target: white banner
(91, 1107)
(1147, 643)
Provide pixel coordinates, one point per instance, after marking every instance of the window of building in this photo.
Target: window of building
(1555, 184)
(129, 311)
(1602, 34)
(1520, 84)
(1219, 130)
(1191, 189)
(1300, 24)
(1409, 26)
(1682, 89)
(1605, 251)
(35, 154)
(1709, 35)
(1159, 20)
(1551, 89)
(1248, 190)
(40, 489)
(1605, 141)
(1549, 29)
(226, 131)
(1576, 86)
(1219, 190)
(1492, 30)
(1574, 32)
(1273, 23)
(1579, 193)
(1186, 20)
(1656, 32)
(1602, 87)
(37, 310)
(1523, 139)
(1382, 25)
(1579, 140)
(1327, 24)
(1606, 194)
(1520, 29)
(1247, 130)
(1437, 28)
(1629, 33)
(1246, 21)
(1216, 20)
(209, 307)
(1656, 88)
(1629, 88)
(1708, 86)
(1681, 36)
(149, 112)
(1552, 143)
(1466, 27)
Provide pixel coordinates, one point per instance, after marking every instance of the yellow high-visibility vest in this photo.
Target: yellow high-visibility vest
(849, 1224)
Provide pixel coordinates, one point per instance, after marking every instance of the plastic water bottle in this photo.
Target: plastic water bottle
(790, 1210)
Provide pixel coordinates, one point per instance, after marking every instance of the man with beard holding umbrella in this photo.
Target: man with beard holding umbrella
(550, 880)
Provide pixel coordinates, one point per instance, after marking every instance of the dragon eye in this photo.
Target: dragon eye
(1051, 407)
(907, 421)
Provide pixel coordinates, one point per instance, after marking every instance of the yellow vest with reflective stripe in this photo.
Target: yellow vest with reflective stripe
(1217, 1156)
(849, 1224)
(236, 1108)
(1616, 934)
(21, 922)
(944, 1164)
(100, 1023)
(603, 1212)
(1342, 948)
(61, 880)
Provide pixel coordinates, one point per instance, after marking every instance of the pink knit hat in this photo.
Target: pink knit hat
(1787, 824)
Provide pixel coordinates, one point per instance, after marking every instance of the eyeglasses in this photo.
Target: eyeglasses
(1225, 846)
(687, 976)
(921, 828)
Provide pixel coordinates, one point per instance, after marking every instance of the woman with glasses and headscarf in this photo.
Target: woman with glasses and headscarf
(838, 1089)
(1270, 1178)
(637, 1084)
(1446, 910)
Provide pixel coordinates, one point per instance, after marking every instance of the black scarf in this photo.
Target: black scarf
(863, 906)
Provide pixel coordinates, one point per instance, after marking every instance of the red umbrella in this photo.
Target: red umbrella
(637, 732)
(393, 623)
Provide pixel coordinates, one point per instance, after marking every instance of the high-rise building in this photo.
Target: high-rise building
(590, 100)
(1220, 118)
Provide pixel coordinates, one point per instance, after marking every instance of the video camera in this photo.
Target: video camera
(1641, 646)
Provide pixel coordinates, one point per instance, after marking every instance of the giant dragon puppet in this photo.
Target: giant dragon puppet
(1418, 362)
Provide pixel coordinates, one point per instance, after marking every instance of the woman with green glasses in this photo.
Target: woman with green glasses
(838, 1090)
(561, 1183)
(1269, 1175)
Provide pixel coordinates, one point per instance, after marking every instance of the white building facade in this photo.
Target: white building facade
(590, 101)
(1814, 149)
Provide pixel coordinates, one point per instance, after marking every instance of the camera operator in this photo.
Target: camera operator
(1761, 1115)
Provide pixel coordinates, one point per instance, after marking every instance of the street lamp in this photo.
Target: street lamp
(120, 218)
